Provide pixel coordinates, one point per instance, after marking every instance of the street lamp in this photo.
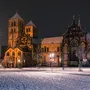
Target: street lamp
(18, 62)
(24, 62)
(51, 59)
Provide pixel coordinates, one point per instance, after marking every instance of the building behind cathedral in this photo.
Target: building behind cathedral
(53, 51)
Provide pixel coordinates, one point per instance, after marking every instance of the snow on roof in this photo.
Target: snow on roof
(52, 40)
(31, 24)
(16, 16)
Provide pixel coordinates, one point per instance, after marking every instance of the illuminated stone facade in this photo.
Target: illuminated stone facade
(20, 42)
(50, 49)
(53, 51)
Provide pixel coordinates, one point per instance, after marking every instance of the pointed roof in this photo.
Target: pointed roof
(73, 25)
(73, 19)
(79, 23)
(16, 16)
(30, 24)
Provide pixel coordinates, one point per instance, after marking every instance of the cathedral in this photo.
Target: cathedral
(20, 43)
(60, 51)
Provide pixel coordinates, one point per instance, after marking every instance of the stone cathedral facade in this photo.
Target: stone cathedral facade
(52, 51)
(20, 42)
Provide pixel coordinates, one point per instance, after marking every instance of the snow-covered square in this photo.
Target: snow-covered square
(43, 79)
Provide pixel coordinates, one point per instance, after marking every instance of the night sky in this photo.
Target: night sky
(51, 17)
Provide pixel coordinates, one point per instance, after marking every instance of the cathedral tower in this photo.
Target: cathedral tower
(31, 29)
(15, 28)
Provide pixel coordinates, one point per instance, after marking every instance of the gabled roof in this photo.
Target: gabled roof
(30, 24)
(52, 40)
(24, 49)
(16, 16)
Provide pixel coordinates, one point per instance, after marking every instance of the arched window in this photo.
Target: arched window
(74, 43)
(58, 49)
(44, 49)
(28, 29)
(19, 53)
(7, 54)
(47, 49)
(14, 23)
(13, 53)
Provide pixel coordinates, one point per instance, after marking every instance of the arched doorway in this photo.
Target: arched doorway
(72, 53)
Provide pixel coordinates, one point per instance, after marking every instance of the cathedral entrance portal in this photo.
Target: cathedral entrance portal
(73, 58)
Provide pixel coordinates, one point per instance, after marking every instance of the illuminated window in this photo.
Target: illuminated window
(14, 23)
(58, 49)
(28, 29)
(44, 49)
(47, 49)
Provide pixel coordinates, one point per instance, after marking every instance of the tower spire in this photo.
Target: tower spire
(79, 23)
(73, 19)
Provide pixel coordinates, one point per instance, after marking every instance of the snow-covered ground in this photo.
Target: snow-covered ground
(44, 79)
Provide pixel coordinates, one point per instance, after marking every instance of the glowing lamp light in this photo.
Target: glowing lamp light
(18, 60)
(51, 55)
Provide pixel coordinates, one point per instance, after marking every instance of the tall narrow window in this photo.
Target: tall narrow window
(42, 49)
(28, 29)
(58, 49)
(14, 23)
(47, 49)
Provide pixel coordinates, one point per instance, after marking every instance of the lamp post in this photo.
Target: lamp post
(18, 63)
(24, 62)
(51, 59)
